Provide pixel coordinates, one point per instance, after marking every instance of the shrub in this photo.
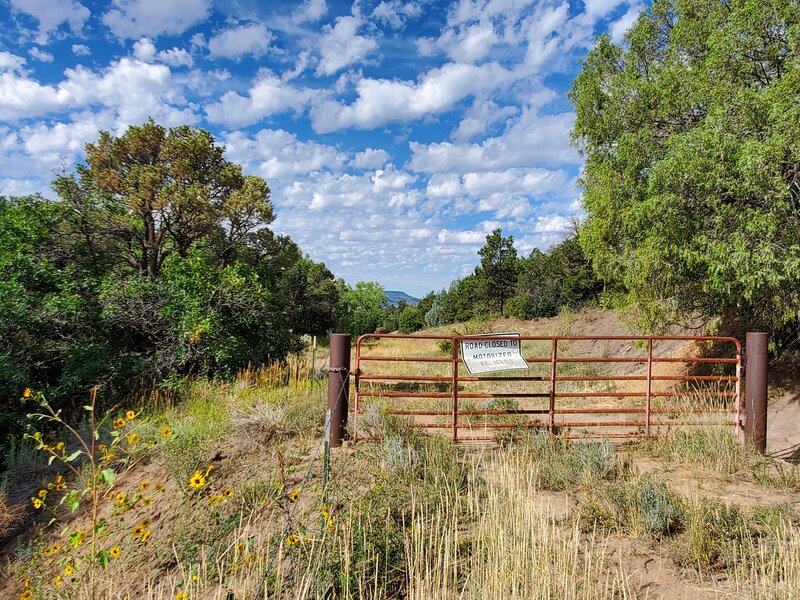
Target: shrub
(644, 507)
(562, 465)
(713, 448)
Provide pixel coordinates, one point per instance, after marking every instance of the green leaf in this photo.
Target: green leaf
(51, 459)
(88, 407)
(75, 539)
(106, 477)
(101, 528)
(73, 456)
(72, 500)
(103, 558)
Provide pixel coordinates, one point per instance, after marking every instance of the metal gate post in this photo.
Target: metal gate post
(454, 389)
(339, 386)
(649, 390)
(755, 395)
(553, 372)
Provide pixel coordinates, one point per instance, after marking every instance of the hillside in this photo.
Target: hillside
(223, 491)
(395, 297)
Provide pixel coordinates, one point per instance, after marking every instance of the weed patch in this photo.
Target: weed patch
(643, 507)
(713, 448)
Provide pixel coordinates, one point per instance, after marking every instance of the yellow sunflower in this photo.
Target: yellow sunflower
(120, 422)
(114, 551)
(197, 481)
(130, 415)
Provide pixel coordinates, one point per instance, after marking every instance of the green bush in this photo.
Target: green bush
(562, 465)
(643, 507)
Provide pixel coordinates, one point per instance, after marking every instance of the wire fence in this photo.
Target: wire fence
(321, 452)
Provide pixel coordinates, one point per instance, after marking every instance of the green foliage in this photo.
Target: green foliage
(549, 281)
(154, 263)
(152, 192)
(643, 506)
(717, 536)
(363, 308)
(562, 465)
(776, 474)
(195, 439)
(540, 285)
(461, 302)
(712, 448)
(410, 319)
(691, 134)
(311, 296)
(498, 270)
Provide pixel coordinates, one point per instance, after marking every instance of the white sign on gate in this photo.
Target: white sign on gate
(489, 356)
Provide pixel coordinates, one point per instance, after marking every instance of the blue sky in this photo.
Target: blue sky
(394, 135)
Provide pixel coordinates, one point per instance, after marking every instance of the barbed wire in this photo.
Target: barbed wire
(304, 481)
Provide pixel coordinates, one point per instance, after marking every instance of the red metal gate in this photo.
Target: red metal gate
(641, 392)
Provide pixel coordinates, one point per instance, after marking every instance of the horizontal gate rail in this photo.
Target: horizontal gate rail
(662, 391)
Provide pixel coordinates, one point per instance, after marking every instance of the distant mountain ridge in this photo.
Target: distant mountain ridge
(395, 297)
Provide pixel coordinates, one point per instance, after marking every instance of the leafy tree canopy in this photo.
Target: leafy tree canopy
(691, 132)
(498, 270)
(160, 192)
(154, 263)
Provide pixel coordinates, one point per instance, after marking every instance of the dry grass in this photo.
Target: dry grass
(413, 517)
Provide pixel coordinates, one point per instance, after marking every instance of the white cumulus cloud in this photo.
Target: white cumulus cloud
(135, 18)
(278, 154)
(146, 51)
(252, 39)
(381, 101)
(395, 13)
(310, 11)
(341, 46)
(269, 95)
(133, 89)
(531, 139)
(52, 13)
(370, 158)
(41, 55)
(10, 61)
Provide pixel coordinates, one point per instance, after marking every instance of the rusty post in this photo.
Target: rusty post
(755, 401)
(553, 373)
(649, 390)
(339, 386)
(454, 387)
